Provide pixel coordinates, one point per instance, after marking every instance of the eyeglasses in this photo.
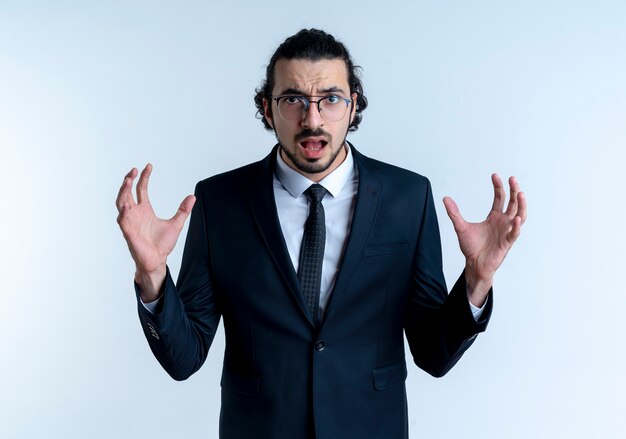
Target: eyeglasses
(293, 108)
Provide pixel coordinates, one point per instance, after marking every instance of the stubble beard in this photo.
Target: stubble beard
(314, 166)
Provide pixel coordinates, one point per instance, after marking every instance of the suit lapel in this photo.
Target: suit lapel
(263, 204)
(367, 198)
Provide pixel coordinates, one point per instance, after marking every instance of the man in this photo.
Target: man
(318, 259)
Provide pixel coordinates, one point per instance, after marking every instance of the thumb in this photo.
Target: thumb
(184, 210)
(453, 212)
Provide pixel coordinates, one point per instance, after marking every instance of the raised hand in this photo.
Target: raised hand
(149, 238)
(486, 244)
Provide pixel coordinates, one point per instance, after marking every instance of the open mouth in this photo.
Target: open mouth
(313, 145)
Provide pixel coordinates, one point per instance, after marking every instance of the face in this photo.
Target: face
(311, 146)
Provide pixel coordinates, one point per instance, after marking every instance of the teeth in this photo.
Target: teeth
(313, 146)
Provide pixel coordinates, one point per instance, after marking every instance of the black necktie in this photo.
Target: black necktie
(312, 250)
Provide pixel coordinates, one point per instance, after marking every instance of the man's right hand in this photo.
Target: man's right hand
(149, 238)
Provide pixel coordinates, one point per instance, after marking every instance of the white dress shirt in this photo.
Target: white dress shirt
(293, 210)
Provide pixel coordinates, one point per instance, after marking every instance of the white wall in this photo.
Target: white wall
(457, 90)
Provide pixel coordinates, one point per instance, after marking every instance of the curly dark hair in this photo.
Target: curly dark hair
(313, 45)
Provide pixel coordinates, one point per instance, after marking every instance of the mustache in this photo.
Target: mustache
(318, 132)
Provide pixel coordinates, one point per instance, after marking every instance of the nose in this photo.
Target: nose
(312, 117)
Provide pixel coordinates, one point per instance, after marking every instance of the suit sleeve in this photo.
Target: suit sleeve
(439, 326)
(182, 329)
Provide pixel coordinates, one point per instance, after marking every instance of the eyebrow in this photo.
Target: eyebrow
(295, 91)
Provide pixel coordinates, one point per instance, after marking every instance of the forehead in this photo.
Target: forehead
(310, 76)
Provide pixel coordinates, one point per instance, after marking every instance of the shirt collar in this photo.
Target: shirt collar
(296, 183)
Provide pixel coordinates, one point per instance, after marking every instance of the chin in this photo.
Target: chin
(313, 167)
(308, 165)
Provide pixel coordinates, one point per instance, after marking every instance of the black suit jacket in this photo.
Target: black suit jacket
(282, 376)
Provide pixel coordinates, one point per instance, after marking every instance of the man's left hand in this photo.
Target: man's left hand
(486, 244)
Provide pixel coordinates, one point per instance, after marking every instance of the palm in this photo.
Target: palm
(486, 244)
(150, 239)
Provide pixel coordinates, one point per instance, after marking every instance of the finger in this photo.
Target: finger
(515, 230)
(521, 210)
(122, 217)
(455, 215)
(499, 194)
(183, 211)
(125, 193)
(512, 207)
(142, 184)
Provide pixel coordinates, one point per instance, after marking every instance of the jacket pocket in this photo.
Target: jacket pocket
(244, 385)
(389, 376)
(386, 249)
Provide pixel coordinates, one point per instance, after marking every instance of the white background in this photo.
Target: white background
(457, 90)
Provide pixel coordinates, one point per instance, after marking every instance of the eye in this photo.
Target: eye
(333, 99)
(292, 100)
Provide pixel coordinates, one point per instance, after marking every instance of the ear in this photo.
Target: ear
(353, 111)
(267, 112)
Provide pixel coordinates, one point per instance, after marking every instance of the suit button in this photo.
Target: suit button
(320, 346)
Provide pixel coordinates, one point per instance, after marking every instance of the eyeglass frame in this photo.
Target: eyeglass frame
(309, 102)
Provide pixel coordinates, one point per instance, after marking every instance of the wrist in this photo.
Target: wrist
(150, 283)
(477, 287)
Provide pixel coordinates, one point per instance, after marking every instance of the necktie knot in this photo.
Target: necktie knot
(316, 192)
